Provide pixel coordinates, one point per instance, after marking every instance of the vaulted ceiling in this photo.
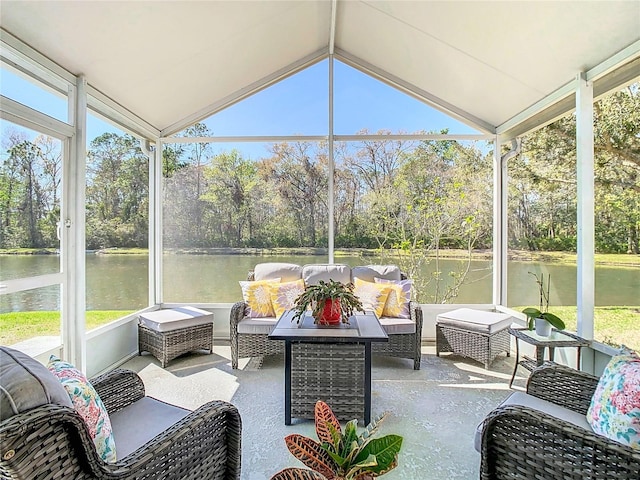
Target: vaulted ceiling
(499, 66)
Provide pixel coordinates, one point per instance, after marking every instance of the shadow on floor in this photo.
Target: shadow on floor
(435, 409)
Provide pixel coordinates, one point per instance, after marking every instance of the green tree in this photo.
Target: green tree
(231, 180)
(299, 174)
(117, 192)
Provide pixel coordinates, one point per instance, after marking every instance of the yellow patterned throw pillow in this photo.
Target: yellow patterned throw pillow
(397, 305)
(283, 295)
(372, 295)
(258, 296)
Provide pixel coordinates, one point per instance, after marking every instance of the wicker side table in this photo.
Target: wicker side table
(475, 334)
(167, 334)
(557, 339)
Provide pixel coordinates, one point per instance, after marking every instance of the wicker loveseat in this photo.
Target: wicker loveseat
(523, 440)
(249, 336)
(42, 436)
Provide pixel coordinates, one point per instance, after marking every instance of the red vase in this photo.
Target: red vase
(331, 314)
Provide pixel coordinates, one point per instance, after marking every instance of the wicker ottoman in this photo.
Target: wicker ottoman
(476, 334)
(167, 334)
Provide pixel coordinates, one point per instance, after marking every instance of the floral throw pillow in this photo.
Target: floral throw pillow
(372, 295)
(87, 403)
(397, 304)
(283, 295)
(257, 294)
(615, 406)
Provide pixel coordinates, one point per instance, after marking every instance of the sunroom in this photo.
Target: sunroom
(158, 70)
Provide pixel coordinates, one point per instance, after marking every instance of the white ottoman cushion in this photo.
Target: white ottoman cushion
(475, 320)
(170, 319)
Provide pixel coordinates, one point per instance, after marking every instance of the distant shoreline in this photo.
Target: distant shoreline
(614, 259)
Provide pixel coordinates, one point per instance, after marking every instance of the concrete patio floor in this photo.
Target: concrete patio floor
(435, 409)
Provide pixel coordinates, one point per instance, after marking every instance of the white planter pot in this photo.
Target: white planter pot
(543, 328)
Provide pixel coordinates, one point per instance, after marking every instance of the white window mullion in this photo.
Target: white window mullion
(73, 228)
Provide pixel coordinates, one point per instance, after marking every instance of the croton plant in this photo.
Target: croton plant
(341, 455)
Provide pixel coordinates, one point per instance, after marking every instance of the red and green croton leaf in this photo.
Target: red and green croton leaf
(298, 474)
(312, 454)
(324, 417)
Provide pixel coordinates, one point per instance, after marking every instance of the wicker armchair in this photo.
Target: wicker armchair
(52, 441)
(522, 443)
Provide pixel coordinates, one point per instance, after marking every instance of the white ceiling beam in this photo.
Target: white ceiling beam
(248, 139)
(29, 61)
(614, 72)
(553, 98)
(118, 115)
(337, 138)
(415, 92)
(245, 92)
(614, 62)
(416, 136)
(27, 117)
(332, 27)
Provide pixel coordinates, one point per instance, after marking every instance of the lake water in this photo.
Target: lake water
(119, 282)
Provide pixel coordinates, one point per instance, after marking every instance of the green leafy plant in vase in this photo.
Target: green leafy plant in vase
(341, 455)
(541, 317)
(330, 302)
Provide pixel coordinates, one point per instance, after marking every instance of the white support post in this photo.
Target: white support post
(330, 200)
(156, 287)
(73, 232)
(155, 220)
(499, 226)
(586, 201)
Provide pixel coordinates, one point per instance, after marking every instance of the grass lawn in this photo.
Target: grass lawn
(613, 325)
(18, 326)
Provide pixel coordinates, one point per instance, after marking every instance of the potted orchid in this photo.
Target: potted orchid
(541, 317)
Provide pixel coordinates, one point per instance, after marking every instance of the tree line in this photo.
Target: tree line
(411, 195)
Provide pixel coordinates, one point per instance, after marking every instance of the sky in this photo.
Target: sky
(296, 106)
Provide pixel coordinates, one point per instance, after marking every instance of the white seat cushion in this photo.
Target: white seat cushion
(475, 320)
(398, 326)
(135, 425)
(174, 318)
(260, 326)
(526, 400)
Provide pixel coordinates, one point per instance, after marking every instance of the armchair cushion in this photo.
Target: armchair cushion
(137, 424)
(615, 406)
(89, 406)
(27, 384)
(526, 400)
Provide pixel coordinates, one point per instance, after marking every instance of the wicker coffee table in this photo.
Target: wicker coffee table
(329, 363)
